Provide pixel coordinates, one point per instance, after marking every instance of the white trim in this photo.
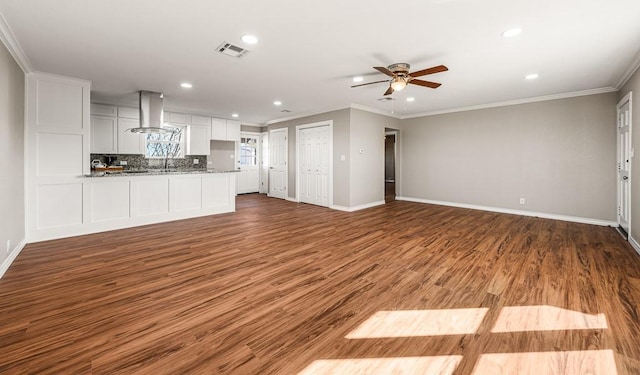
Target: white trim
(374, 110)
(635, 244)
(635, 64)
(12, 256)
(305, 114)
(295, 200)
(627, 98)
(9, 39)
(574, 219)
(535, 99)
(358, 208)
(328, 123)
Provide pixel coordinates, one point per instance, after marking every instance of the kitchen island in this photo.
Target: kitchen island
(103, 201)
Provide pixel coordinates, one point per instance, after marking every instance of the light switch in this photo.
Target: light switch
(343, 158)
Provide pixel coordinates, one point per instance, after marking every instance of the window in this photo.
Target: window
(166, 145)
(249, 151)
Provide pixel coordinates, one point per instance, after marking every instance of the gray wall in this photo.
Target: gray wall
(219, 158)
(12, 81)
(367, 168)
(340, 147)
(560, 155)
(633, 84)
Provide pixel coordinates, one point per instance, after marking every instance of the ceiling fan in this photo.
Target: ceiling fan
(400, 77)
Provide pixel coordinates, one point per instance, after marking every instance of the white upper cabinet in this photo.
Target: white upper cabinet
(104, 134)
(198, 140)
(218, 129)
(200, 120)
(128, 142)
(129, 112)
(233, 130)
(177, 118)
(225, 130)
(104, 109)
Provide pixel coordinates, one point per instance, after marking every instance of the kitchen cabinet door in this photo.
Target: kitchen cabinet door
(177, 118)
(233, 130)
(198, 140)
(128, 142)
(104, 109)
(129, 112)
(200, 120)
(218, 129)
(104, 134)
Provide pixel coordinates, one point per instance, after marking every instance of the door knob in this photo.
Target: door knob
(625, 177)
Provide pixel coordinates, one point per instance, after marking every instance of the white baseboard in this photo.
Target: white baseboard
(12, 256)
(574, 219)
(292, 199)
(635, 244)
(357, 208)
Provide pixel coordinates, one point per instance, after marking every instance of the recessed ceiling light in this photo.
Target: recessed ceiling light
(357, 79)
(186, 85)
(249, 39)
(411, 99)
(512, 32)
(234, 115)
(530, 77)
(277, 102)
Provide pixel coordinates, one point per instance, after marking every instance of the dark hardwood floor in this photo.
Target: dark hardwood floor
(276, 287)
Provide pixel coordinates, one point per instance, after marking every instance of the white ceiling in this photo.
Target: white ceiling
(308, 51)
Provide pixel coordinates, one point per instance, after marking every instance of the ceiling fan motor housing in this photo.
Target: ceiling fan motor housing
(400, 68)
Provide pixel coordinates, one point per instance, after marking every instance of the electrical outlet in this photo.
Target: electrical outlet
(123, 162)
(521, 200)
(209, 162)
(196, 161)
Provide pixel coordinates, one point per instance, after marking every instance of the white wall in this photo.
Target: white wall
(12, 210)
(367, 168)
(559, 155)
(633, 84)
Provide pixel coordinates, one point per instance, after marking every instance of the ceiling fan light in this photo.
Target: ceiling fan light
(398, 83)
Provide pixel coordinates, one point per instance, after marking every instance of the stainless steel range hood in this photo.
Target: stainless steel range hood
(151, 113)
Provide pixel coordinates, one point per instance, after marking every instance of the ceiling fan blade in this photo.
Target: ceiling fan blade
(389, 91)
(384, 70)
(424, 72)
(370, 83)
(420, 82)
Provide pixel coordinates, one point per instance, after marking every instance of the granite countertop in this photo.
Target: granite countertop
(157, 172)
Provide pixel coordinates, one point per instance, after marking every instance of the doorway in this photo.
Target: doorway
(624, 164)
(249, 163)
(390, 166)
(278, 154)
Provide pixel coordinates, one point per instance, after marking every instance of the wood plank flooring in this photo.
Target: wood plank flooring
(282, 288)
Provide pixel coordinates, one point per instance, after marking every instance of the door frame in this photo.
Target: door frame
(264, 163)
(258, 151)
(328, 123)
(395, 159)
(625, 99)
(286, 158)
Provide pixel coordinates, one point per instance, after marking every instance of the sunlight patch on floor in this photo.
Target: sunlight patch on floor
(545, 318)
(441, 365)
(413, 323)
(592, 362)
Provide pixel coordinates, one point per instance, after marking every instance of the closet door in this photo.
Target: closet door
(314, 165)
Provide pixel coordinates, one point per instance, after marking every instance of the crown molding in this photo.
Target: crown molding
(305, 114)
(635, 64)
(565, 95)
(374, 110)
(9, 40)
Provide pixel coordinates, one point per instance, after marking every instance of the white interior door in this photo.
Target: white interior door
(249, 161)
(624, 162)
(313, 165)
(278, 163)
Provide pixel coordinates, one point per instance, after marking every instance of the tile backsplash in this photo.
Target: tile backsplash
(140, 162)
